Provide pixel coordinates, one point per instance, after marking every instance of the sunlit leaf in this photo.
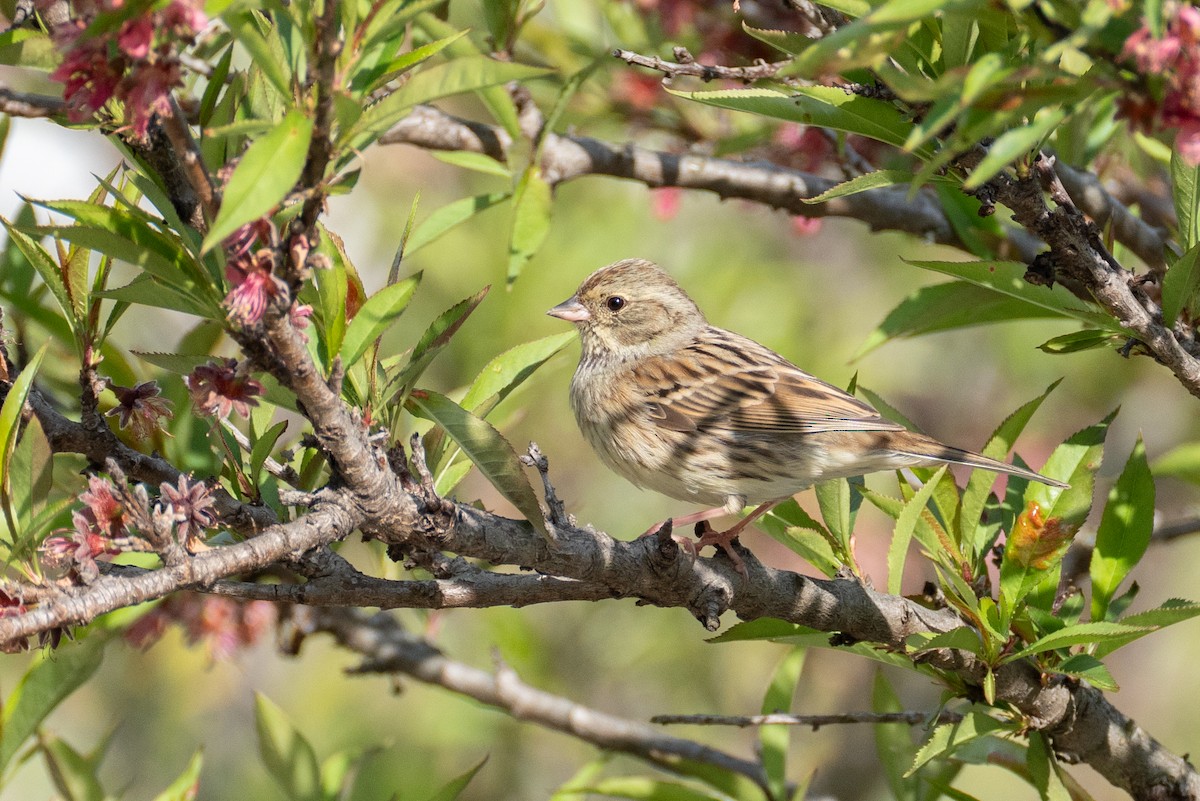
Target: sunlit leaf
(1124, 531)
(452, 789)
(486, 448)
(286, 754)
(187, 785)
(449, 216)
(380, 311)
(906, 524)
(950, 736)
(532, 204)
(1079, 634)
(266, 173)
(1185, 184)
(1181, 285)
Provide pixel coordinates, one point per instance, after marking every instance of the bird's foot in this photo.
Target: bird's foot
(724, 540)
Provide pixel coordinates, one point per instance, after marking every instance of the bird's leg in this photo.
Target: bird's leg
(687, 520)
(724, 539)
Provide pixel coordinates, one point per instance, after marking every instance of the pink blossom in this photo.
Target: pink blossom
(185, 16)
(254, 286)
(140, 408)
(146, 92)
(1187, 142)
(805, 226)
(217, 389)
(135, 36)
(103, 511)
(665, 202)
(90, 78)
(190, 503)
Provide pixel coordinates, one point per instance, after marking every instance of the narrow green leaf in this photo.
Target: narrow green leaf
(789, 42)
(509, 370)
(178, 363)
(839, 506)
(436, 337)
(10, 420)
(532, 204)
(1091, 669)
(465, 74)
(146, 290)
(449, 216)
(262, 449)
(1182, 462)
(950, 736)
(905, 526)
(246, 31)
(644, 788)
(1125, 529)
(407, 61)
(476, 162)
(1009, 279)
(862, 183)
(974, 497)
(46, 267)
(943, 307)
(452, 789)
(1185, 180)
(486, 448)
(774, 740)
(790, 525)
(961, 639)
(53, 677)
(264, 176)
(380, 311)
(893, 741)
(826, 106)
(187, 785)
(1077, 341)
(1181, 285)
(74, 775)
(1012, 145)
(1174, 610)
(1079, 634)
(286, 754)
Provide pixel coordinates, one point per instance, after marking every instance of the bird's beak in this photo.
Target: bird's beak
(571, 310)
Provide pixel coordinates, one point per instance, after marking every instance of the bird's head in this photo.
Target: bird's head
(631, 310)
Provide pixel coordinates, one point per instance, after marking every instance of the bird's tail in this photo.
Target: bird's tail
(927, 448)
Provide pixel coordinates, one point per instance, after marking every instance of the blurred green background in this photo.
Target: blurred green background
(813, 297)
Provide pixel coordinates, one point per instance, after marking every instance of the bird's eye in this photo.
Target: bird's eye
(615, 303)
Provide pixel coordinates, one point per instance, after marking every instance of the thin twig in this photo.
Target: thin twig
(816, 721)
(687, 65)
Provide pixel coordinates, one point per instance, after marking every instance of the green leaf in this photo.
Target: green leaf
(790, 525)
(476, 162)
(146, 290)
(979, 485)
(963, 638)
(1185, 180)
(950, 736)
(1009, 278)
(266, 173)
(509, 370)
(774, 740)
(789, 42)
(187, 784)
(286, 754)
(75, 776)
(643, 788)
(1079, 634)
(379, 312)
(532, 204)
(262, 449)
(178, 363)
(1173, 611)
(839, 507)
(1012, 145)
(246, 31)
(486, 448)
(1125, 529)
(1076, 341)
(893, 741)
(449, 216)
(1089, 668)
(453, 788)
(436, 337)
(824, 106)
(10, 421)
(53, 677)
(862, 183)
(1182, 462)
(46, 268)
(1181, 285)
(905, 526)
(407, 61)
(465, 74)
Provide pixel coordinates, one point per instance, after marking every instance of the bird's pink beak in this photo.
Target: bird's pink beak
(571, 310)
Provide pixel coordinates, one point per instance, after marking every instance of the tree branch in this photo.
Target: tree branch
(815, 721)
(687, 65)
(387, 648)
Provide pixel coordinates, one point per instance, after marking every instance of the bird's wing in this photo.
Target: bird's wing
(733, 383)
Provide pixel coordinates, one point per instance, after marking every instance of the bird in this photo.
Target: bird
(700, 414)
